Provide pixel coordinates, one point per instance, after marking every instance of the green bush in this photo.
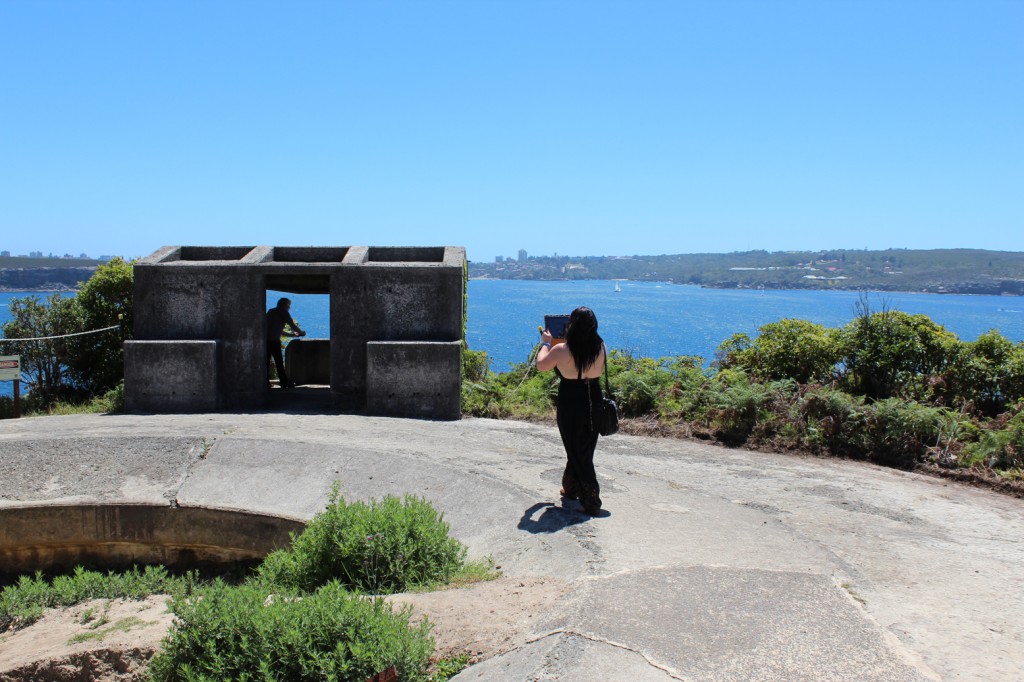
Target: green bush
(521, 393)
(894, 354)
(258, 633)
(474, 365)
(381, 547)
(635, 395)
(96, 361)
(24, 602)
(998, 448)
(793, 349)
(901, 432)
(734, 405)
(988, 373)
(834, 420)
(733, 353)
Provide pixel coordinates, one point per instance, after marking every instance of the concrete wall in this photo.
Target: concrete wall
(414, 378)
(390, 300)
(308, 361)
(208, 299)
(170, 376)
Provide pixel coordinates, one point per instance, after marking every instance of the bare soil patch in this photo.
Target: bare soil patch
(101, 640)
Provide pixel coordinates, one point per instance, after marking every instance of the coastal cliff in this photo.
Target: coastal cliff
(43, 279)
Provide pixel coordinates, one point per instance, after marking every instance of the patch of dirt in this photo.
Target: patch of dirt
(980, 478)
(484, 619)
(117, 638)
(98, 641)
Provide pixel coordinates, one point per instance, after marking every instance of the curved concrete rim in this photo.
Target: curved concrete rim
(112, 535)
(710, 563)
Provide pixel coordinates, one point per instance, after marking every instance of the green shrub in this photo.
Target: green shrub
(257, 633)
(734, 404)
(834, 420)
(901, 432)
(733, 353)
(24, 602)
(635, 396)
(894, 354)
(96, 361)
(521, 393)
(988, 373)
(474, 365)
(381, 547)
(998, 448)
(794, 349)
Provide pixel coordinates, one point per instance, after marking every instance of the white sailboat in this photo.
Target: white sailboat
(618, 289)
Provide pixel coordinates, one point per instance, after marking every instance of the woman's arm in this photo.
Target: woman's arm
(548, 356)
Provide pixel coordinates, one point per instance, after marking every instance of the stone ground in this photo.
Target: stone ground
(709, 564)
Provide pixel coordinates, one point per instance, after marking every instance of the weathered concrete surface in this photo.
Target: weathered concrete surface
(414, 379)
(710, 563)
(171, 376)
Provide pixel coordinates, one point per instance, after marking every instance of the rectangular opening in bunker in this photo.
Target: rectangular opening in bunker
(309, 254)
(406, 254)
(210, 253)
(305, 359)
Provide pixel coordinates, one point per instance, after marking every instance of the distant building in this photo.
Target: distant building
(35, 254)
(5, 254)
(498, 259)
(522, 255)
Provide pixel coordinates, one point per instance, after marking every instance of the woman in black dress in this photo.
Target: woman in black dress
(579, 363)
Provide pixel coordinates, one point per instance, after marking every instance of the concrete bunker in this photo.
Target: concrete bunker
(53, 538)
(395, 342)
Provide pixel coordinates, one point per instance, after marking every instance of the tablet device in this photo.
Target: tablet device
(556, 325)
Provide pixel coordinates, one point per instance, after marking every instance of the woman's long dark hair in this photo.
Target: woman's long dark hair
(582, 338)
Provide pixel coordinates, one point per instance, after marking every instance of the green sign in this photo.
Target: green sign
(10, 367)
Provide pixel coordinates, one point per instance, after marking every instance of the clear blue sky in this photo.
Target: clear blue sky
(582, 128)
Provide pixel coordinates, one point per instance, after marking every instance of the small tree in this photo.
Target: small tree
(96, 361)
(43, 362)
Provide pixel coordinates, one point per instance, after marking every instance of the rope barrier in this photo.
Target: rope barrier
(62, 336)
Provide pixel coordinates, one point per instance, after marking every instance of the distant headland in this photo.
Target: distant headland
(39, 272)
(944, 271)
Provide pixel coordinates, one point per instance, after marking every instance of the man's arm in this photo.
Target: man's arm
(297, 331)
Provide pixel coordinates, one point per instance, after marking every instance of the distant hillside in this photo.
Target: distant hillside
(44, 274)
(960, 271)
(19, 262)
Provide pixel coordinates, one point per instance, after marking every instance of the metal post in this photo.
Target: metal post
(17, 399)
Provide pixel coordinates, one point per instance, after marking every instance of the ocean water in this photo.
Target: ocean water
(653, 320)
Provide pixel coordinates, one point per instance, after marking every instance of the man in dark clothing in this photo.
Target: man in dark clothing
(277, 319)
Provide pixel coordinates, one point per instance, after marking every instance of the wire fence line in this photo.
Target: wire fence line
(62, 336)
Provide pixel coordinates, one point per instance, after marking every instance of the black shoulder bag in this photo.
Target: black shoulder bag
(608, 422)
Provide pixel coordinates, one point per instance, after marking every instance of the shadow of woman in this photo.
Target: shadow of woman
(552, 519)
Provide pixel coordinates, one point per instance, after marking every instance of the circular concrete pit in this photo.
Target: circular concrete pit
(50, 538)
